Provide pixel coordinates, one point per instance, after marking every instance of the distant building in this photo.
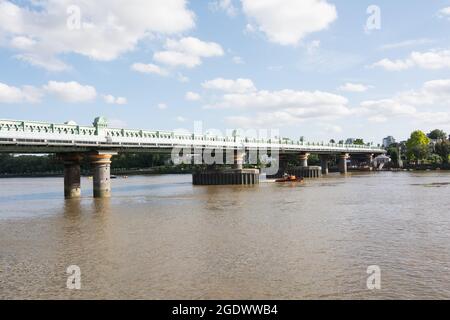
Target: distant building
(388, 141)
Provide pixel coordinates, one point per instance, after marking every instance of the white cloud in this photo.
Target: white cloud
(26, 94)
(108, 28)
(22, 43)
(264, 108)
(182, 78)
(313, 46)
(227, 85)
(110, 99)
(49, 63)
(354, 87)
(187, 52)
(406, 43)
(396, 65)
(224, 5)
(444, 12)
(181, 119)
(149, 68)
(431, 60)
(262, 120)
(71, 92)
(302, 103)
(434, 95)
(162, 106)
(286, 22)
(249, 28)
(331, 128)
(238, 60)
(192, 96)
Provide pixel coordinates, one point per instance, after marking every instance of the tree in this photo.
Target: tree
(443, 150)
(437, 134)
(417, 146)
(434, 158)
(359, 142)
(392, 151)
(332, 141)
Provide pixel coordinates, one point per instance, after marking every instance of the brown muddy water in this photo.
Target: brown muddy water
(159, 237)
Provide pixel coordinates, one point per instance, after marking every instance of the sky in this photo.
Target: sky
(318, 69)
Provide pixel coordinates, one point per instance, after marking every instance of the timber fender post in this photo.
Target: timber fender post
(306, 172)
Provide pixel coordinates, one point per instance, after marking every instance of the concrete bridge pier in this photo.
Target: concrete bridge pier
(343, 157)
(303, 170)
(101, 171)
(325, 163)
(370, 160)
(239, 156)
(304, 159)
(72, 174)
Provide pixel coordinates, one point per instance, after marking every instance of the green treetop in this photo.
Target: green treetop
(437, 134)
(417, 146)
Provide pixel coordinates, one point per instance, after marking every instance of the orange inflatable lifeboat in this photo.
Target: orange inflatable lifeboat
(289, 178)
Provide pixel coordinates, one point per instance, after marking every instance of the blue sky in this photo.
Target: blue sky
(309, 68)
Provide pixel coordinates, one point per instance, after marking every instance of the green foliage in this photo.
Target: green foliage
(443, 150)
(392, 151)
(26, 164)
(138, 160)
(417, 146)
(314, 160)
(359, 142)
(434, 158)
(437, 134)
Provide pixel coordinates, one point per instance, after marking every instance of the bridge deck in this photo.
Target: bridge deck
(39, 137)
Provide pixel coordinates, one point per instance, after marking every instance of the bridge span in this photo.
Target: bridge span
(99, 143)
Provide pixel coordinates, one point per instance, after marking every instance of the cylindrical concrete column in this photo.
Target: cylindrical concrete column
(101, 167)
(324, 162)
(304, 159)
(343, 162)
(239, 159)
(370, 160)
(72, 173)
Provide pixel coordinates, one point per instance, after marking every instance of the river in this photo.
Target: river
(159, 237)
